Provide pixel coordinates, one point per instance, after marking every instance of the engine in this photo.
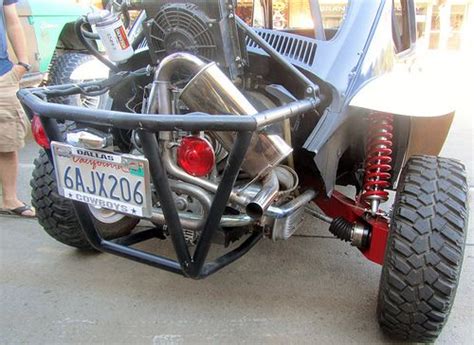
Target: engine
(202, 56)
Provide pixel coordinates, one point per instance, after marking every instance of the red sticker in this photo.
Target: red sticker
(122, 37)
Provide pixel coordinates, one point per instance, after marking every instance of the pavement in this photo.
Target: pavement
(309, 289)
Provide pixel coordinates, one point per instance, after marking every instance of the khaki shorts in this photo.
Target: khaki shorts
(13, 121)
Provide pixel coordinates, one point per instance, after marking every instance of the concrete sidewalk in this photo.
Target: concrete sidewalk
(310, 289)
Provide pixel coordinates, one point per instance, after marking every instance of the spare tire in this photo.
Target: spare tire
(61, 69)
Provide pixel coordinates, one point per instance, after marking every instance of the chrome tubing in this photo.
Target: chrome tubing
(287, 178)
(292, 206)
(160, 100)
(260, 203)
(169, 64)
(194, 222)
(198, 193)
(186, 222)
(180, 174)
(238, 197)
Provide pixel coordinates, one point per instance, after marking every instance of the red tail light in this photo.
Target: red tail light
(196, 156)
(38, 133)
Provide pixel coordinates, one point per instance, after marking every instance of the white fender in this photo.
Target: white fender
(91, 70)
(407, 93)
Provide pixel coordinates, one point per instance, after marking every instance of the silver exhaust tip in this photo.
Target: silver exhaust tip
(262, 201)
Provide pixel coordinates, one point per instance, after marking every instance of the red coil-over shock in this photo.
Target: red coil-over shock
(378, 160)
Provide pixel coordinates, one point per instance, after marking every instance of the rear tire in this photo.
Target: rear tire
(60, 72)
(424, 250)
(56, 214)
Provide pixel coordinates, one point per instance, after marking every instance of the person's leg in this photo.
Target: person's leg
(12, 138)
(8, 179)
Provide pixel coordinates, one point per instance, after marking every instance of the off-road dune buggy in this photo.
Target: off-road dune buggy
(219, 132)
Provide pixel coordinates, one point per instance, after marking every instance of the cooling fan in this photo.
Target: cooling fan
(183, 27)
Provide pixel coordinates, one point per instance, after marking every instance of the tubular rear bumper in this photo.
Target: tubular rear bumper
(148, 125)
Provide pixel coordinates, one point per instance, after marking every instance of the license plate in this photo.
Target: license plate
(106, 180)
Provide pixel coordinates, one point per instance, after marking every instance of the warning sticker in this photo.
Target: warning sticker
(122, 37)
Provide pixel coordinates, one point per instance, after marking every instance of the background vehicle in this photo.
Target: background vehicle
(204, 112)
(55, 52)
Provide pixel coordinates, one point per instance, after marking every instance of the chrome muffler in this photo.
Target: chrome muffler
(212, 92)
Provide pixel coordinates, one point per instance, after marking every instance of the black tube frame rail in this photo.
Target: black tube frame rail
(148, 126)
(311, 89)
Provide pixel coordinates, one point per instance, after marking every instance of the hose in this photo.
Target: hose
(126, 16)
(113, 6)
(90, 35)
(91, 88)
(90, 48)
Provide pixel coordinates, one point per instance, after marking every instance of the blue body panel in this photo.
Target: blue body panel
(362, 49)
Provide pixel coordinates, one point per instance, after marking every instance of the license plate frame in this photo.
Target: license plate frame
(93, 164)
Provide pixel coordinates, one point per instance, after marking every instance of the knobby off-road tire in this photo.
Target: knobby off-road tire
(56, 214)
(425, 249)
(60, 72)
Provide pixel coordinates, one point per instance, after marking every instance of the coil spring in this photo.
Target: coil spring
(378, 160)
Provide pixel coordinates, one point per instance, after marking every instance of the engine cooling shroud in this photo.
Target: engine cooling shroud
(208, 31)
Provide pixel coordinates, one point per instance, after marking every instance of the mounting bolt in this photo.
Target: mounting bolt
(181, 204)
(309, 90)
(231, 16)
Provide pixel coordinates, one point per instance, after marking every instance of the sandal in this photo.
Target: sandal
(19, 211)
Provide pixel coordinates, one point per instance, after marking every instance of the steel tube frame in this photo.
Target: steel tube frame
(160, 122)
(311, 89)
(193, 266)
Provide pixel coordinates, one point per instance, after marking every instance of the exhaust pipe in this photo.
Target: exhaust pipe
(160, 100)
(262, 201)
